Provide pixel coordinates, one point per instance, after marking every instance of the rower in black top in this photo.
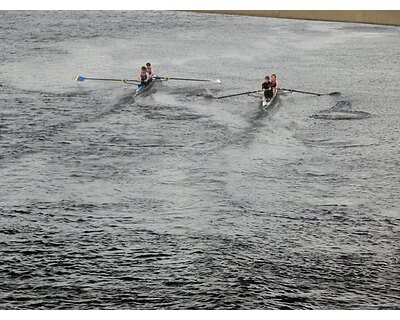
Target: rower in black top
(267, 86)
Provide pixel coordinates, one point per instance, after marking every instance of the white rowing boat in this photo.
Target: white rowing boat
(267, 103)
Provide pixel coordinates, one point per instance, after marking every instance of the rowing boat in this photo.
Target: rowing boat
(267, 103)
(140, 89)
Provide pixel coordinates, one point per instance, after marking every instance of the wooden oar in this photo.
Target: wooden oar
(313, 93)
(82, 78)
(188, 79)
(238, 94)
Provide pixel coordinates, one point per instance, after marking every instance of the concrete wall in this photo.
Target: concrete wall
(360, 16)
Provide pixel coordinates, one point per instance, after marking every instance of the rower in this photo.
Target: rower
(149, 69)
(267, 87)
(275, 83)
(144, 77)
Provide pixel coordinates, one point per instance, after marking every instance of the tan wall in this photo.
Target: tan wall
(361, 16)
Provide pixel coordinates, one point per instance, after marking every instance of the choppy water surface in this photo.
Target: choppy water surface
(177, 200)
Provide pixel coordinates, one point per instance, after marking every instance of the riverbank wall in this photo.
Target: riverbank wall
(384, 17)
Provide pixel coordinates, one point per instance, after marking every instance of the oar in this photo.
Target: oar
(188, 79)
(313, 93)
(238, 94)
(82, 78)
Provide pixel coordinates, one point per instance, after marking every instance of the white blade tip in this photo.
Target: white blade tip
(218, 81)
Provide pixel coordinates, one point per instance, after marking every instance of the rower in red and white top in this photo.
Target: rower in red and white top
(275, 83)
(150, 70)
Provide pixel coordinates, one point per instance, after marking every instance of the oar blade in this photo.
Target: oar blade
(80, 78)
(217, 81)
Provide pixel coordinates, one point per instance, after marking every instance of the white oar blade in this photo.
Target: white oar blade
(217, 81)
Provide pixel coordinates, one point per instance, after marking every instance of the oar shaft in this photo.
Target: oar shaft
(123, 80)
(103, 79)
(81, 78)
(186, 79)
(238, 94)
(299, 91)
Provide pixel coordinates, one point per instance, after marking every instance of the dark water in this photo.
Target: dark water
(180, 201)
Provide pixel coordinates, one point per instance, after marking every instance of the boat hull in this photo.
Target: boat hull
(141, 89)
(267, 104)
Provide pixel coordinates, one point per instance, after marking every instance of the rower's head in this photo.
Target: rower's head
(148, 65)
(273, 77)
(143, 69)
(266, 79)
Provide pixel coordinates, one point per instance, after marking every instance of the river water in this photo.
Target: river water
(176, 200)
